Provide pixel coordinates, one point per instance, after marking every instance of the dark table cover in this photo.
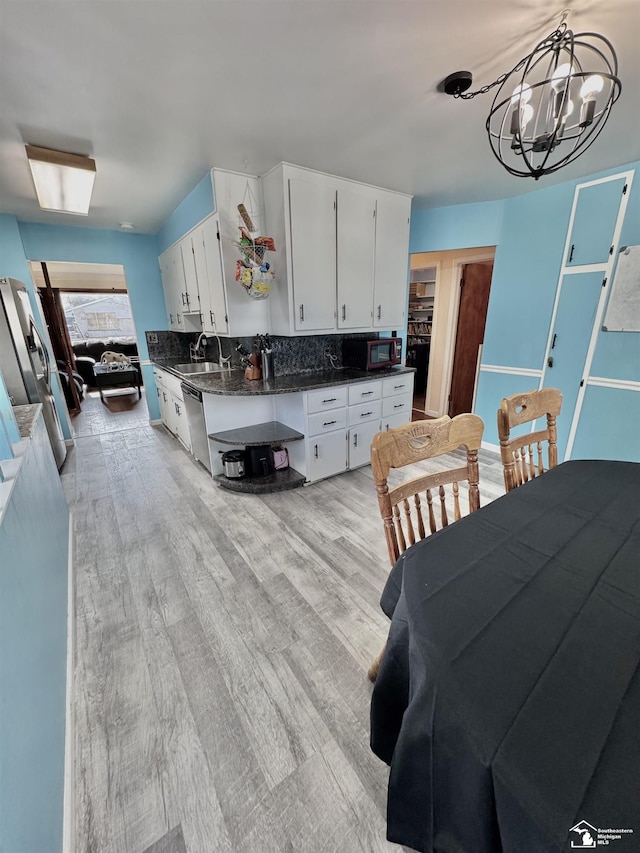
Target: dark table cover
(508, 700)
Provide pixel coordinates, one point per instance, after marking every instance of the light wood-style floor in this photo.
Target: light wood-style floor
(222, 642)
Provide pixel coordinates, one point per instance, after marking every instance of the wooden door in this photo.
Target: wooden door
(472, 316)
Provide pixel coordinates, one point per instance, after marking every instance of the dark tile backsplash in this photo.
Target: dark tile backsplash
(290, 355)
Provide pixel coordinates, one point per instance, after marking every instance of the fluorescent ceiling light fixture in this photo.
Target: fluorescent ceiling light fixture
(63, 182)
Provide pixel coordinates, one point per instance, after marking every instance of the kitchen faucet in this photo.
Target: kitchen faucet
(197, 349)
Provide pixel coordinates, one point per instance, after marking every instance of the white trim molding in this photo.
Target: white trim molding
(155, 421)
(487, 445)
(515, 371)
(68, 809)
(620, 384)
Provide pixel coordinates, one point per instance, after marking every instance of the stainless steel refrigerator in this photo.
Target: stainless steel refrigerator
(24, 360)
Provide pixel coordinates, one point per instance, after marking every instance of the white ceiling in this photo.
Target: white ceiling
(158, 91)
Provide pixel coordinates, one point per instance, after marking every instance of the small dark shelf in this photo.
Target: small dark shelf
(271, 432)
(279, 481)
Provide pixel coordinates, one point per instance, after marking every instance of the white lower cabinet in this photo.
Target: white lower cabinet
(340, 422)
(326, 455)
(171, 401)
(359, 442)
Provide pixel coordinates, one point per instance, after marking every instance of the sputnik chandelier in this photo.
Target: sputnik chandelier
(551, 107)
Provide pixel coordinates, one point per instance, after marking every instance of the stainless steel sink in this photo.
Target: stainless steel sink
(200, 367)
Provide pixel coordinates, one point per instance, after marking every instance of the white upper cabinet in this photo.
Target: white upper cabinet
(393, 213)
(172, 273)
(208, 260)
(356, 238)
(198, 272)
(342, 253)
(313, 253)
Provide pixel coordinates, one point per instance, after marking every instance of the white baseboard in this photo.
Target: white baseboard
(68, 824)
(155, 421)
(486, 445)
(432, 413)
(69, 442)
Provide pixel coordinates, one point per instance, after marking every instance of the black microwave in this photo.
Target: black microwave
(369, 355)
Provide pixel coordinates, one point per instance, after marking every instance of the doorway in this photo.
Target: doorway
(87, 312)
(475, 284)
(455, 323)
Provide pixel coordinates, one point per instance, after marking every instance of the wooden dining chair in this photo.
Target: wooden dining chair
(518, 453)
(405, 517)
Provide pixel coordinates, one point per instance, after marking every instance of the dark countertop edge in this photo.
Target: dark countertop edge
(218, 383)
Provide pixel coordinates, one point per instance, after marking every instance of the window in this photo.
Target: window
(102, 320)
(98, 316)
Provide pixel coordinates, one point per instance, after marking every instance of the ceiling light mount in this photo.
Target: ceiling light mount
(63, 181)
(552, 105)
(457, 83)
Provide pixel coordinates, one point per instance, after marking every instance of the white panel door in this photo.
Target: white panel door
(313, 254)
(392, 261)
(326, 455)
(360, 439)
(208, 257)
(356, 230)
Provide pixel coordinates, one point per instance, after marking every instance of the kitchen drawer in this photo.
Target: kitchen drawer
(363, 412)
(393, 421)
(327, 421)
(397, 405)
(158, 375)
(326, 398)
(394, 385)
(359, 392)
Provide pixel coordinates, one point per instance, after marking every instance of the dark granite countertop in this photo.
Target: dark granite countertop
(232, 382)
(26, 417)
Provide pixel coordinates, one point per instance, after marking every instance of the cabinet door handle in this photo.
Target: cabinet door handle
(179, 320)
(164, 396)
(315, 452)
(355, 439)
(397, 387)
(184, 302)
(399, 406)
(365, 414)
(379, 312)
(301, 312)
(201, 319)
(171, 319)
(571, 253)
(553, 343)
(344, 312)
(330, 400)
(213, 317)
(366, 393)
(328, 423)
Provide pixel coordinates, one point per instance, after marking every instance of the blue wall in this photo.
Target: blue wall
(138, 253)
(199, 203)
(529, 232)
(33, 641)
(462, 226)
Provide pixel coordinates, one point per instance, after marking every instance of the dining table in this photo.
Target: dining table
(508, 699)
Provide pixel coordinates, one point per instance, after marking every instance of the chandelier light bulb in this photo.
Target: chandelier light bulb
(560, 75)
(522, 94)
(591, 87)
(526, 114)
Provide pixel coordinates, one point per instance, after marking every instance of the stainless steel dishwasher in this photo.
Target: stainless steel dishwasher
(195, 419)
